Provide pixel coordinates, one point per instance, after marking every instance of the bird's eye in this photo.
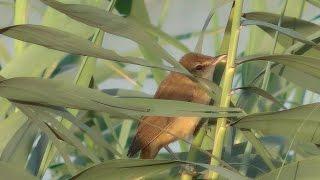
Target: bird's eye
(199, 67)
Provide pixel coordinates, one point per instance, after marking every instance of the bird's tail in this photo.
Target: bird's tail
(135, 147)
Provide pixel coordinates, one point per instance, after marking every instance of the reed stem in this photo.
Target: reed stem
(227, 85)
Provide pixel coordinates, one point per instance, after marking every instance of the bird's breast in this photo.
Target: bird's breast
(184, 126)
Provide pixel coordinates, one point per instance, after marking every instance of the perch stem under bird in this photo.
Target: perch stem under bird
(148, 139)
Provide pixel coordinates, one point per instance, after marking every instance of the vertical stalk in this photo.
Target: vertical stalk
(198, 140)
(227, 85)
(20, 17)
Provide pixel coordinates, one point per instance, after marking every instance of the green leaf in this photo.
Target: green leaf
(221, 171)
(304, 169)
(140, 14)
(51, 92)
(35, 119)
(126, 93)
(88, 64)
(21, 14)
(289, 32)
(30, 56)
(155, 31)
(198, 48)
(4, 53)
(27, 63)
(223, 49)
(298, 68)
(9, 171)
(260, 92)
(273, 123)
(97, 138)
(305, 49)
(304, 28)
(305, 64)
(9, 127)
(114, 24)
(63, 133)
(67, 42)
(126, 169)
(18, 148)
(314, 2)
(260, 149)
(138, 168)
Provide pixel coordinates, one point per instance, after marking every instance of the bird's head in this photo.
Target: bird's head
(201, 65)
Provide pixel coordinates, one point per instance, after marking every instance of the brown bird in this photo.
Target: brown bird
(150, 139)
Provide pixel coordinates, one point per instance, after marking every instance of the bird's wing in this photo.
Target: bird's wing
(174, 87)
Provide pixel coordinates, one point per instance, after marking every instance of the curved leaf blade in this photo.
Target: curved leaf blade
(304, 169)
(126, 169)
(272, 123)
(51, 92)
(260, 92)
(8, 171)
(67, 42)
(138, 168)
(303, 27)
(289, 32)
(110, 23)
(306, 66)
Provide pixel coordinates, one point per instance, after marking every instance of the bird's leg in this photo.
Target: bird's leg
(189, 169)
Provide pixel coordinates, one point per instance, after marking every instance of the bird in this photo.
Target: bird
(156, 132)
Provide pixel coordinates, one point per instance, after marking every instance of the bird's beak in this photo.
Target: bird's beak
(218, 59)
